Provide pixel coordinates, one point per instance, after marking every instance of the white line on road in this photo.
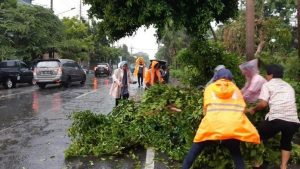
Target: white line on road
(150, 158)
(85, 94)
(16, 94)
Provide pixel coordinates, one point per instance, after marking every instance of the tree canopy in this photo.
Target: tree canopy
(27, 31)
(78, 40)
(122, 18)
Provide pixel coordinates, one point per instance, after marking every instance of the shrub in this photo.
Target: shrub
(200, 59)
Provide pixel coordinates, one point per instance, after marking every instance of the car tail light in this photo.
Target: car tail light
(59, 71)
(34, 71)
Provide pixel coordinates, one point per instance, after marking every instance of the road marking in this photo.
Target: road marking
(150, 158)
(15, 94)
(85, 94)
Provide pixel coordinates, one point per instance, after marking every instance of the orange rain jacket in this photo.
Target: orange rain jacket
(139, 62)
(224, 115)
(150, 75)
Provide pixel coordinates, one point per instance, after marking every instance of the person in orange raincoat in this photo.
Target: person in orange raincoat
(224, 120)
(139, 70)
(153, 75)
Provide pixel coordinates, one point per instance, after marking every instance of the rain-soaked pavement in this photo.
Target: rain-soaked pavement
(33, 125)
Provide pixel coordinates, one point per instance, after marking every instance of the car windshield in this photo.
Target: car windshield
(102, 65)
(7, 64)
(49, 64)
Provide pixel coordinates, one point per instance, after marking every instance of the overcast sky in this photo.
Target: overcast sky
(142, 41)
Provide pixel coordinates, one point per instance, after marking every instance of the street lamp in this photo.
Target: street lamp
(66, 11)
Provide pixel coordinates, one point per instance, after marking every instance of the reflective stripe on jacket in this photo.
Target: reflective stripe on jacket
(224, 115)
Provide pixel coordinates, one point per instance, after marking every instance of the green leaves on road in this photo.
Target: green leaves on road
(156, 122)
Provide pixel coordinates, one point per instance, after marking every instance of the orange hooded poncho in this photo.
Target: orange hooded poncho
(224, 115)
(139, 62)
(152, 75)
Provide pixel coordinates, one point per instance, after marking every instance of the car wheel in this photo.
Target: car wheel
(42, 86)
(67, 83)
(33, 82)
(8, 84)
(82, 82)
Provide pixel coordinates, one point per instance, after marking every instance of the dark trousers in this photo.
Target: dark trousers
(232, 145)
(268, 129)
(126, 96)
(140, 79)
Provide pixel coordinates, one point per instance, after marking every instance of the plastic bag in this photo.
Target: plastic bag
(254, 81)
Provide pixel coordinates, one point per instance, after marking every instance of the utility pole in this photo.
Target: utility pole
(80, 6)
(51, 5)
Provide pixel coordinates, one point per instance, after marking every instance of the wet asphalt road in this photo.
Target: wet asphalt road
(34, 123)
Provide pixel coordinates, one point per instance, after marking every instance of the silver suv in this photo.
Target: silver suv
(58, 71)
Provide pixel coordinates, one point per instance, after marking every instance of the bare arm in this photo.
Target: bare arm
(262, 104)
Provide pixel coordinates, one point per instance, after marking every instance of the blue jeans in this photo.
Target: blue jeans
(232, 145)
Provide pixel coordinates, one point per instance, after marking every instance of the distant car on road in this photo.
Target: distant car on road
(131, 68)
(102, 69)
(58, 71)
(13, 72)
(85, 69)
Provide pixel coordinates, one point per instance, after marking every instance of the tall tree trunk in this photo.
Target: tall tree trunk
(262, 42)
(298, 19)
(250, 11)
(213, 33)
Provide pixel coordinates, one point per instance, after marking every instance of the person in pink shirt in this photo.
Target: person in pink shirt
(254, 81)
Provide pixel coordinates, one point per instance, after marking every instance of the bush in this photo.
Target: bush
(290, 62)
(200, 59)
(156, 122)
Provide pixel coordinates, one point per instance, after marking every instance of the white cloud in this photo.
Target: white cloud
(143, 40)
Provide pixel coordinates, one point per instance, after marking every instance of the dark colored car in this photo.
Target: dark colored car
(102, 69)
(58, 71)
(131, 68)
(13, 72)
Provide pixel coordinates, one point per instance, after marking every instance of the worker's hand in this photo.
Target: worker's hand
(251, 111)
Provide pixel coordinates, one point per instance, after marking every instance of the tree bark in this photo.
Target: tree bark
(213, 33)
(262, 42)
(250, 11)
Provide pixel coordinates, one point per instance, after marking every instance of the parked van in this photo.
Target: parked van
(58, 71)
